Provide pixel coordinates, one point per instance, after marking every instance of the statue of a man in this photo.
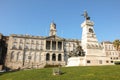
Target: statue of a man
(86, 15)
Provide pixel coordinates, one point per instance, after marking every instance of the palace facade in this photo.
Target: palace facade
(26, 51)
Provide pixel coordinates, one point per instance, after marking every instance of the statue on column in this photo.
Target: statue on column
(85, 14)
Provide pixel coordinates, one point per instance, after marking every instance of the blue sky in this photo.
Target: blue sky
(34, 17)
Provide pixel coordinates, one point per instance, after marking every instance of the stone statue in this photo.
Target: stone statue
(86, 15)
(77, 52)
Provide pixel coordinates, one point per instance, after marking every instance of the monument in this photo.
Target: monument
(93, 50)
(76, 58)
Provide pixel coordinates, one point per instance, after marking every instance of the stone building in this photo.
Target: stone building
(26, 51)
(111, 52)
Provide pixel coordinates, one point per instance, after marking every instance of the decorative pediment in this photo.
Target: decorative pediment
(54, 38)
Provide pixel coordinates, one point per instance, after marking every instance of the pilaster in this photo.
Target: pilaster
(57, 45)
(62, 46)
(51, 45)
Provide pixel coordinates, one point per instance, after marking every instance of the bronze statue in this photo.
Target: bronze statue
(86, 15)
(77, 52)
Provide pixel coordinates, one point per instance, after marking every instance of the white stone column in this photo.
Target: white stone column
(51, 45)
(57, 57)
(44, 45)
(62, 55)
(18, 44)
(40, 57)
(50, 56)
(62, 45)
(57, 45)
(30, 45)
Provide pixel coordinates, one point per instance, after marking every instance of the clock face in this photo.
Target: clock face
(91, 30)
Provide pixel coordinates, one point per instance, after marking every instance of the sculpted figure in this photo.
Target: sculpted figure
(85, 14)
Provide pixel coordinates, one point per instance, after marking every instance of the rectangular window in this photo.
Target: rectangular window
(59, 45)
(100, 61)
(15, 40)
(37, 47)
(107, 61)
(27, 41)
(53, 45)
(20, 46)
(21, 41)
(111, 58)
(37, 42)
(48, 45)
(88, 61)
(105, 47)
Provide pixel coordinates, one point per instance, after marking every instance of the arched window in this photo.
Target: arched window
(37, 46)
(29, 56)
(27, 41)
(59, 57)
(20, 46)
(12, 56)
(37, 57)
(32, 42)
(21, 41)
(14, 46)
(47, 57)
(54, 57)
(17, 57)
(73, 45)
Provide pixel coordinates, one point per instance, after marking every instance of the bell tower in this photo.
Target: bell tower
(52, 29)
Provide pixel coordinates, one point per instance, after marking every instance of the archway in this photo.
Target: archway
(53, 57)
(47, 57)
(59, 57)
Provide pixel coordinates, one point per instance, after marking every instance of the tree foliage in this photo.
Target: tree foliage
(116, 44)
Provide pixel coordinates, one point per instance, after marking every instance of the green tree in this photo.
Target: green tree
(116, 44)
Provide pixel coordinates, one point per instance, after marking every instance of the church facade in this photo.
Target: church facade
(26, 51)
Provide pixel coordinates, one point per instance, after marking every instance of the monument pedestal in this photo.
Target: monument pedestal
(76, 61)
